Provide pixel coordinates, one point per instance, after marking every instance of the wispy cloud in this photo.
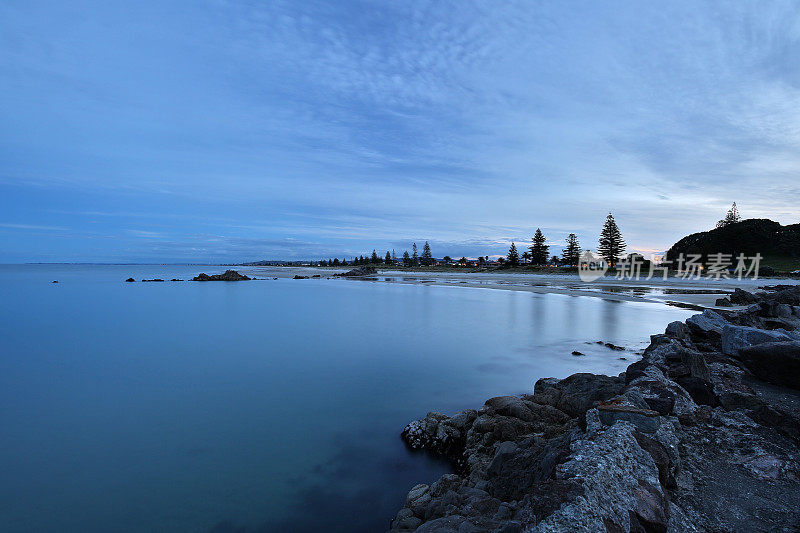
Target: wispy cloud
(305, 128)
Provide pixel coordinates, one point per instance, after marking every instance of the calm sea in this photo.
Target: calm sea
(257, 406)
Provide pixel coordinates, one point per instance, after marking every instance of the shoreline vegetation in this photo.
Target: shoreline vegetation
(701, 434)
(732, 240)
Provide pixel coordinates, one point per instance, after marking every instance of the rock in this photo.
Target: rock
(356, 272)
(701, 391)
(130, 280)
(774, 362)
(734, 338)
(156, 279)
(785, 423)
(613, 346)
(766, 270)
(620, 485)
(297, 276)
(579, 392)
(576, 352)
(176, 279)
(229, 275)
(696, 364)
(707, 323)
(55, 281)
(742, 297)
(645, 420)
(723, 302)
(678, 330)
(787, 295)
(440, 434)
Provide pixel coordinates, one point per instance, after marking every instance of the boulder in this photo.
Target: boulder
(130, 280)
(707, 323)
(742, 297)
(645, 420)
(774, 362)
(678, 330)
(228, 275)
(356, 272)
(734, 338)
(579, 392)
(723, 302)
(701, 391)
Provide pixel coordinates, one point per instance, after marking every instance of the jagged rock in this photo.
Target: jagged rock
(678, 330)
(579, 392)
(734, 338)
(229, 275)
(707, 323)
(645, 420)
(610, 500)
(723, 302)
(701, 391)
(742, 297)
(714, 449)
(774, 362)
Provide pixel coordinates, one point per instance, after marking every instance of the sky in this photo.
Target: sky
(216, 131)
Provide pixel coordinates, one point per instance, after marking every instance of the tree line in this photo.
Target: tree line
(611, 246)
(408, 260)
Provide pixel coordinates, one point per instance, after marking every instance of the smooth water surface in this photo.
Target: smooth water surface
(268, 405)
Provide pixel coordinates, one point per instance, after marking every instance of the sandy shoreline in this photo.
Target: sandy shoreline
(674, 291)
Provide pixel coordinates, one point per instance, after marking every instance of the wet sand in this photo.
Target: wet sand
(701, 293)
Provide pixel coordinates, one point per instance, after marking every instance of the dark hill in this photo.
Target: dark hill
(779, 245)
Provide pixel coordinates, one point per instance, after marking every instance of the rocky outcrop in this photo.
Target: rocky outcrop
(701, 434)
(357, 272)
(229, 275)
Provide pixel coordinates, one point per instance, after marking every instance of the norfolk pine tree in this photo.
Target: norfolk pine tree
(572, 253)
(513, 256)
(539, 250)
(611, 244)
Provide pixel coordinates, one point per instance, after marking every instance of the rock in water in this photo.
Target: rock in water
(706, 420)
(130, 280)
(356, 272)
(229, 275)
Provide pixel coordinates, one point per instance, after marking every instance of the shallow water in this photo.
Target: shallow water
(258, 406)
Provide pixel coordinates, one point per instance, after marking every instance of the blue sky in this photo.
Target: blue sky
(226, 131)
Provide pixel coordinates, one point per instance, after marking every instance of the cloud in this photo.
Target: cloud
(352, 127)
